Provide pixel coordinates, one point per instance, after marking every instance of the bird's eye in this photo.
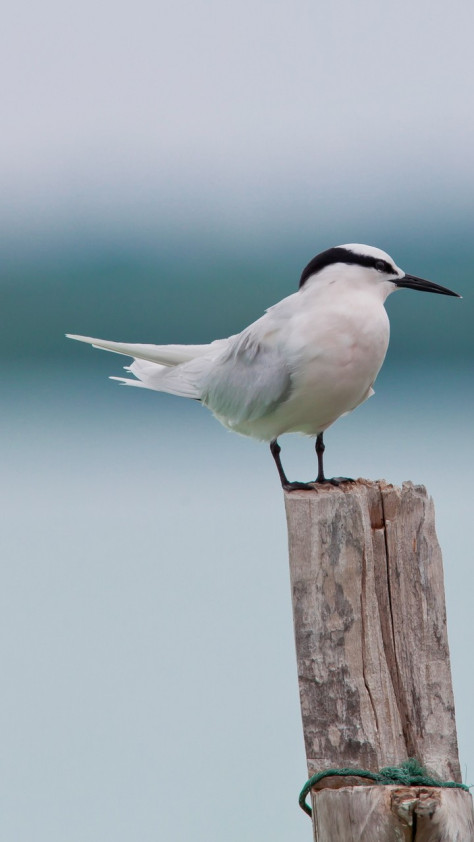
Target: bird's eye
(381, 266)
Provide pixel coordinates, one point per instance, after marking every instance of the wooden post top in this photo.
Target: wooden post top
(370, 628)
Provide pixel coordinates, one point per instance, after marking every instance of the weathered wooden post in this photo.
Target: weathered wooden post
(373, 662)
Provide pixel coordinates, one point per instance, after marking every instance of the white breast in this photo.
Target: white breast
(334, 349)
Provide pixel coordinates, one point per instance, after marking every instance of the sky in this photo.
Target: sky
(166, 170)
(238, 115)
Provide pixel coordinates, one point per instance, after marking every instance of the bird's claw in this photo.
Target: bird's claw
(298, 486)
(310, 486)
(336, 481)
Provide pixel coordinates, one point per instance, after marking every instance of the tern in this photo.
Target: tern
(307, 361)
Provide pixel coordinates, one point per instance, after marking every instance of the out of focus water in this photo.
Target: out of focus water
(164, 190)
(149, 678)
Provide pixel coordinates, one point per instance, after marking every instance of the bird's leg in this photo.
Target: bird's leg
(320, 448)
(275, 450)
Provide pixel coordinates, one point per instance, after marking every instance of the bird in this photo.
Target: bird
(310, 359)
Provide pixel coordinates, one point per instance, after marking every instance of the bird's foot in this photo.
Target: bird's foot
(336, 481)
(298, 486)
(310, 486)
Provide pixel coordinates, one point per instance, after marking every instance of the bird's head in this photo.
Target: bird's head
(356, 265)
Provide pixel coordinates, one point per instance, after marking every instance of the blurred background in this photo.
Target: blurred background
(167, 170)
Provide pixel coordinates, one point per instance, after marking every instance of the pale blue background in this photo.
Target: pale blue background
(167, 170)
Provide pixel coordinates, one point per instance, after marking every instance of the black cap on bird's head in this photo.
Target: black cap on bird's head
(355, 254)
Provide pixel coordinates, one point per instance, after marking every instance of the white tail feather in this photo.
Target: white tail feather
(182, 380)
(167, 355)
(177, 369)
(126, 381)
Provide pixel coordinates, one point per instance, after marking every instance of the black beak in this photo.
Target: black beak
(412, 282)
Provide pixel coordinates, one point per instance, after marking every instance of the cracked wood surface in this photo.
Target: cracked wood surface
(393, 814)
(370, 629)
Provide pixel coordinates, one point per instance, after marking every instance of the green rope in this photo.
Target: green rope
(409, 773)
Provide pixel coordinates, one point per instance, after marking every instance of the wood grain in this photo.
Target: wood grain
(370, 629)
(393, 814)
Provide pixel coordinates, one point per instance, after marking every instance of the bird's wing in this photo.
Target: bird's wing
(240, 378)
(247, 380)
(168, 355)
(243, 382)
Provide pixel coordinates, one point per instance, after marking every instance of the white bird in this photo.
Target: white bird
(311, 358)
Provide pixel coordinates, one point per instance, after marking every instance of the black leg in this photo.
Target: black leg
(275, 450)
(320, 448)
